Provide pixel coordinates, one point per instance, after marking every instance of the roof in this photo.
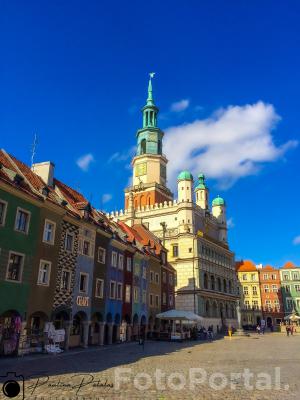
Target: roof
(218, 201)
(267, 268)
(289, 265)
(245, 266)
(185, 175)
(149, 239)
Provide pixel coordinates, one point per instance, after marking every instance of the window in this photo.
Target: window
(121, 261)
(254, 290)
(112, 289)
(253, 277)
(290, 304)
(127, 293)
(164, 277)
(287, 289)
(244, 277)
(69, 241)
(86, 248)
(276, 303)
(175, 250)
(246, 290)
(286, 277)
(15, 267)
(44, 273)
(297, 288)
(268, 303)
(156, 300)
(164, 298)
(3, 208)
(49, 232)
(156, 278)
(65, 279)
(114, 259)
(274, 288)
(128, 264)
(266, 276)
(266, 288)
(151, 276)
(99, 288)
(170, 299)
(83, 282)
(136, 269)
(101, 255)
(247, 303)
(119, 291)
(163, 257)
(144, 297)
(151, 299)
(274, 276)
(295, 276)
(22, 221)
(171, 279)
(144, 273)
(255, 303)
(136, 295)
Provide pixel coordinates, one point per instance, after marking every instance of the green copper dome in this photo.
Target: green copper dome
(201, 182)
(185, 176)
(218, 201)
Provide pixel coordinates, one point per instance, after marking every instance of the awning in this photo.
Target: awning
(179, 315)
(292, 317)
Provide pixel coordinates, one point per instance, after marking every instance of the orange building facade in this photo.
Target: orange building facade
(271, 295)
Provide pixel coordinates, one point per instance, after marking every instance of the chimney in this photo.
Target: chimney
(44, 170)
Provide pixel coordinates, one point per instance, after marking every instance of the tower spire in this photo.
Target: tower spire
(150, 101)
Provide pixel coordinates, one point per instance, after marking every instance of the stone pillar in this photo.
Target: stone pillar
(101, 333)
(86, 325)
(67, 327)
(129, 333)
(110, 332)
(117, 333)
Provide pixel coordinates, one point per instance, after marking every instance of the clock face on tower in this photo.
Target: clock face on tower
(141, 169)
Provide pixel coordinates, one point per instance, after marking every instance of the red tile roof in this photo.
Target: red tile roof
(289, 265)
(245, 266)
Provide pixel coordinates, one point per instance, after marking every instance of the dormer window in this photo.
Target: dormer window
(18, 179)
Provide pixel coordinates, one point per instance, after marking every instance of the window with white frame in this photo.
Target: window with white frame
(114, 259)
(112, 290)
(44, 273)
(128, 264)
(255, 303)
(22, 220)
(287, 288)
(15, 267)
(164, 298)
(151, 299)
(3, 208)
(69, 242)
(49, 232)
(170, 299)
(136, 294)
(285, 277)
(86, 248)
(83, 282)
(266, 288)
(274, 276)
(276, 302)
(101, 255)
(65, 279)
(156, 278)
(247, 303)
(119, 291)
(254, 290)
(99, 288)
(144, 297)
(151, 276)
(274, 288)
(297, 288)
(245, 290)
(253, 277)
(290, 304)
(121, 261)
(244, 277)
(266, 276)
(127, 293)
(136, 269)
(295, 276)
(156, 300)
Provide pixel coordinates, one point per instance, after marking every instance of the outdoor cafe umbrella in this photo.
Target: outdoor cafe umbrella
(179, 315)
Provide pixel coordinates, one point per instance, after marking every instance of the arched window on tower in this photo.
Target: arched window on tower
(143, 146)
(159, 147)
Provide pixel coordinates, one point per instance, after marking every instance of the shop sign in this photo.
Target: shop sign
(82, 301)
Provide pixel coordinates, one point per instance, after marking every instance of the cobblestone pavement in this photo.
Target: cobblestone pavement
(91, 373)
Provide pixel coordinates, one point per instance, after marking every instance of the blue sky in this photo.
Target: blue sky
(75, 72)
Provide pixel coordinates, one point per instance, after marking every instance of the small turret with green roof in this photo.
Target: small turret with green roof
(218, 201)
(201, 182)
(185, 176)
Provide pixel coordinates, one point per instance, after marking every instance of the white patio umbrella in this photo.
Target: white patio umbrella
(179, 315)
(292, 317)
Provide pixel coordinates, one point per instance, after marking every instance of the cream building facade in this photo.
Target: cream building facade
(194, 233)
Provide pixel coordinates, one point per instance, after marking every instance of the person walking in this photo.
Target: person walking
(287, 328)
(258, 329)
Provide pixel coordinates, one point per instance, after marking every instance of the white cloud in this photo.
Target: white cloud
(85, 161)
(232, 143)
(181, 105)
(119, 156)
(296, 240)
(106, 198)
(230, 223)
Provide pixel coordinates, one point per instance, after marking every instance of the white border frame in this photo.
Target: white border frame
(5, 212)
(28, 222)
(22, 266)
(50, 264)
(54, 232)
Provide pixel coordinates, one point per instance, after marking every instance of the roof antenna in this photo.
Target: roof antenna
(33, 149)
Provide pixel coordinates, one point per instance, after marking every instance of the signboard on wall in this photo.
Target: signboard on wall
(82, 301)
